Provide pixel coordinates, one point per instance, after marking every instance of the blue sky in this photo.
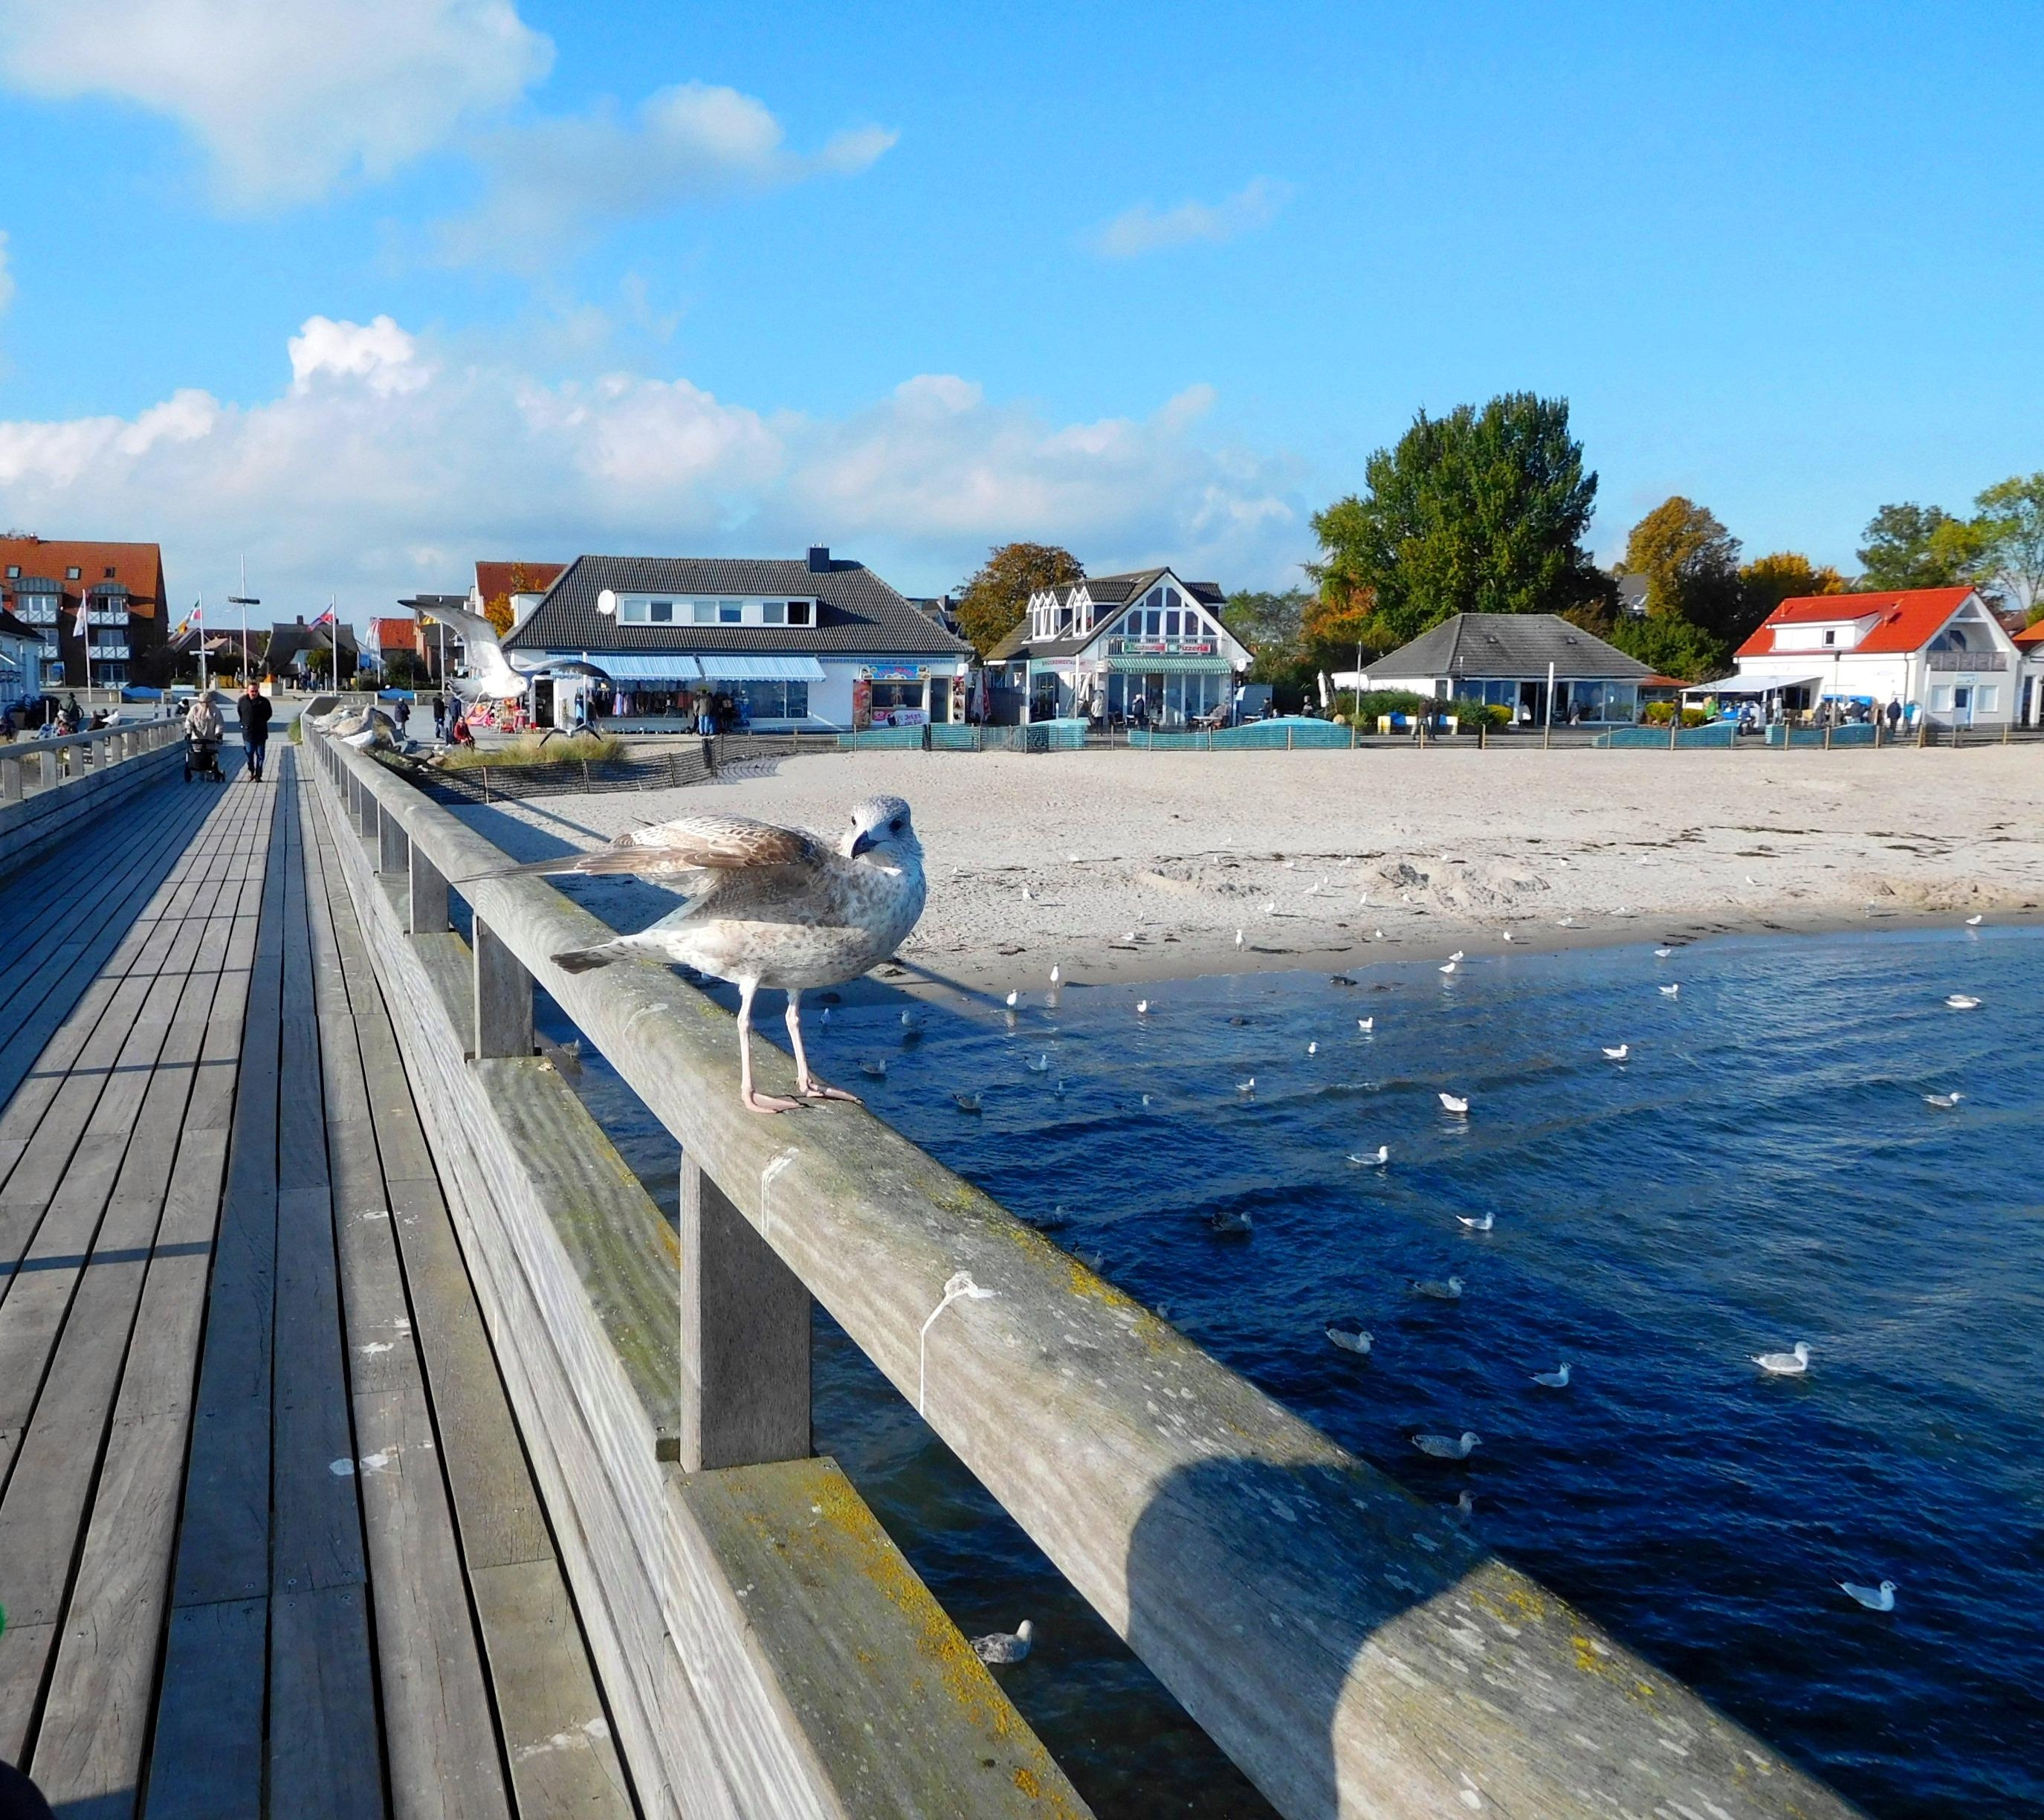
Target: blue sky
(373, 294)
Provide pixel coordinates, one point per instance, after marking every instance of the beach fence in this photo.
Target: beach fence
(767, 1649)
(1066, 735)
(1722, 734)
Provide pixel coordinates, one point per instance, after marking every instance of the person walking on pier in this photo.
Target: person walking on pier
(253, 711)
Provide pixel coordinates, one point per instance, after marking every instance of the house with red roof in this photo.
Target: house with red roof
(45, 580)
(1940, 652)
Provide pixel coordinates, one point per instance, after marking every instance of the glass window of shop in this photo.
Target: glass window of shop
(769, 701)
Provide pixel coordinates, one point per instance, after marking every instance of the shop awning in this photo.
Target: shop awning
(1756, 683)
(1173, 666)
(760, 667)
(646, 666)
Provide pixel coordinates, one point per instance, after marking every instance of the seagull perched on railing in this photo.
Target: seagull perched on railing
(771, 906)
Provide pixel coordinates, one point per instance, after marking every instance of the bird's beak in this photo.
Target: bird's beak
(863, 842)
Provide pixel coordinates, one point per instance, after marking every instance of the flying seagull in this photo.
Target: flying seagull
(778, 907)
(492, 676)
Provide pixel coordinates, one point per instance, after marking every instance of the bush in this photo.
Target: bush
(528, 751)
(1383, 702)
(1469, 713)
(1660, 714)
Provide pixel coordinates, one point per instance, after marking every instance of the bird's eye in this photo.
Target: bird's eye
(896, 825)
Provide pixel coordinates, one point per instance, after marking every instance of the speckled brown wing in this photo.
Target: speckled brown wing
(693, 843)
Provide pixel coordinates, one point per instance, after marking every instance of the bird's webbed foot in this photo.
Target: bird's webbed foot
(814, 1089)
(769, 1102)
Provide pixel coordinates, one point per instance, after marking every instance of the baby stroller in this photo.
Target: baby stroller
(202, 757)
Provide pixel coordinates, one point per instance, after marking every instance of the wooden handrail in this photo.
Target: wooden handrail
(1351, 1649)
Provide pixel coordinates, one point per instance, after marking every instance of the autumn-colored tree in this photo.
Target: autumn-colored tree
(1337, 623)
(1690, 563)
(1785, 575)
(496, 609)
(992, 601)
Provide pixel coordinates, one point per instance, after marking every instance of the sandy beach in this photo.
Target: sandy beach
(1127, 866)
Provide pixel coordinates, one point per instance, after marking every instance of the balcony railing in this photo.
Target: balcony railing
(1966, 660)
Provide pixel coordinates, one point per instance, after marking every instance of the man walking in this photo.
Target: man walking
(253, 711)
(439, 716)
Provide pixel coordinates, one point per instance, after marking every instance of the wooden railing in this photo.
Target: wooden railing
(1349, 1647)
(45, 763)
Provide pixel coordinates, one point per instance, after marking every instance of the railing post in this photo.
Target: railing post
(392, 846)
(10, 781)
(426, 910)
(49, 768)
(745, 1338)
(503, 997)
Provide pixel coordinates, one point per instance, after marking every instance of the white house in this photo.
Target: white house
(1091, 647)
(21, 662)
(1940, 652)
(817, 642)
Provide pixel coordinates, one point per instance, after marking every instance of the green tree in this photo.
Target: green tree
(1690, 564)
(1271, 625)
(1475, 512)
(1672, 645)
(2011, 517)
(992, 601)
(1921, 546)
(1785, 575)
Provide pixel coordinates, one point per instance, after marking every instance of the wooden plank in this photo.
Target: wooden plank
(207, 1759)
(324, 1762)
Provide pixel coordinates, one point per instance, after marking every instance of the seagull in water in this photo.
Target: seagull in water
(1447, 1447)
(1880, 1598)
(1662, 953)
(1944, 1101)
(1227, 1223)
(1478, 1223)
(874, 1070)
(1557, 1379)
(1380, 1157)
(1365, 1024)
(1358, 1342)
(1451, 1291)
(966, 1101)
(1450, 1104)
(1790, 1364)
(1449, 968)
(1013, 1000)
(1975, 921)
(1040, 1066)
(1673, 991)
(1246, 1087)
(778, 907)
(1006, 1645)
(1963, 1001)
(1618, 1054)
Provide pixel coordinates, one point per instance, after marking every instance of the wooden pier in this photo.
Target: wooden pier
(370, 1443)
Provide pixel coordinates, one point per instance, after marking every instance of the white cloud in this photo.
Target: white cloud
(385, 465)
(553, 181)
(287, 99)
(1144, 230)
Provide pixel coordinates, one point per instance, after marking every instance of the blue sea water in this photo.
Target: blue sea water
(1762, 1168)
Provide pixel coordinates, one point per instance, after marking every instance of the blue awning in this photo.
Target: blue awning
(644, 666)
(760, 667)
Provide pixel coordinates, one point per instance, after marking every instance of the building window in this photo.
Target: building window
(70, 574)
(661, 611)
(107, 576)
(1940, 695)
(1153, 625)
(773, 612)
(730, 612)
(771, 701)
(1986, 697)
(703, 612)
(1830, 638)
(798, 613)
(13, 571)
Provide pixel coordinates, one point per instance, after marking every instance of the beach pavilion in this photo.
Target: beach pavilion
(1511, 660)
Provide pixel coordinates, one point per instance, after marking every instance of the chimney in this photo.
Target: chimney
(820, 564)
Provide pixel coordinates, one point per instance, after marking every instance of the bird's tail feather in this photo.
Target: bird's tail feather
(604, 862)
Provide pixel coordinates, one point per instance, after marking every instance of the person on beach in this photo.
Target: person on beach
(1894, 712)
(439, 716)
(253, 712)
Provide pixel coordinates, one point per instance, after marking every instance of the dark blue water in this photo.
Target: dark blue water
(1762, 1169)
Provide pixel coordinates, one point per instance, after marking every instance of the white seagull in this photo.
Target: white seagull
(1478, 1223)
(1006, 1645)
(1228, 1223)
(1056, 975)
(1880, 1598)
(1013, 1000)
(1662, 953)
(1237, 938)
(1963, 1001)
(1975, 921)
(966, 1101)
(1450, 1104)
(1673, 991)
(1040, 1066)
(874, 1070)
(1247, 1086)
(1510, 937)
(779, 907)
(1312, 1049)
(1365, 1024)
(1944, 1101)
(1447, 1447)
(1557, 1379)
(1451, 1291)
(1618, 1054)
(1380, 1156)
(1456, 956)
(492, 676)
(1449, 968)
(1142, 1007)
(1358, 1342)
(1789, 1364)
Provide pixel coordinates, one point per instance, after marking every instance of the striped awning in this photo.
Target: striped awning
(1173, 666)
(644, 666)
(760, 667)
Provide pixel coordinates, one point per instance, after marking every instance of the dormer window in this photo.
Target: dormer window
(1831, 637)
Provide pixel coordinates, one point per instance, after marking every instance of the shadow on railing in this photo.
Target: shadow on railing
(1349, 1647)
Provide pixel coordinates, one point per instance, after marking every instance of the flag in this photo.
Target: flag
(326, 618)
(83, 598)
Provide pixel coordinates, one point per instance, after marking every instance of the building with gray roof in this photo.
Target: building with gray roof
(812, 642)
(1509, 659)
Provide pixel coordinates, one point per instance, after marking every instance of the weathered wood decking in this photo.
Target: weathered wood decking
(269, 1542)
